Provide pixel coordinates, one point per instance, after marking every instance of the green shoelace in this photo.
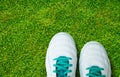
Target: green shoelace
(62, 66)
(95, 71)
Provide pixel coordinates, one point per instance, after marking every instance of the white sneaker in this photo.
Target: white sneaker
(94, 61)
(61, 57)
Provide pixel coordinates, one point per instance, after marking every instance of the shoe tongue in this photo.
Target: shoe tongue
(95, 70)
(61, 73)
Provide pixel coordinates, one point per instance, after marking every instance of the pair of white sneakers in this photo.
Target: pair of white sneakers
(61, 58)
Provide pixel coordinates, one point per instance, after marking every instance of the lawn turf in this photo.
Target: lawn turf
(26, 28)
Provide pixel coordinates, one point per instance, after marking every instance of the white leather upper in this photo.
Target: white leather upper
(62, 44)
(94, 54)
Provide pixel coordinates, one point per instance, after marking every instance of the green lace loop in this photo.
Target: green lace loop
(62, 66)
(95, 71)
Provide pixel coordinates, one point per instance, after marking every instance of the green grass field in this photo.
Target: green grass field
(26, 27)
